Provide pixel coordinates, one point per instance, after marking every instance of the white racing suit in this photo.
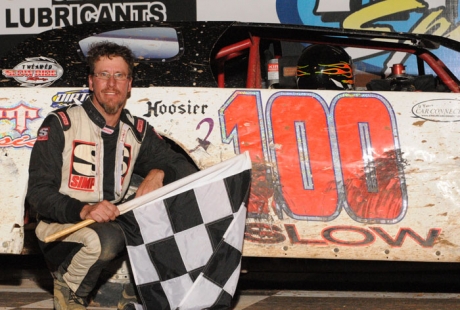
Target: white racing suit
(77, 160)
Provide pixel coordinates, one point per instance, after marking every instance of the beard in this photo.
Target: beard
(111, 107)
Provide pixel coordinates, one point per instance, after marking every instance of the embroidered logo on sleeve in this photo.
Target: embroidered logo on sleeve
(140, 125)
(65, 120)
(43, 134)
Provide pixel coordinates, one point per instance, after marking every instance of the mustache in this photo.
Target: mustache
(110, 90)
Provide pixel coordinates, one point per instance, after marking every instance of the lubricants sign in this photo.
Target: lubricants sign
(349, 175)
(27, 17)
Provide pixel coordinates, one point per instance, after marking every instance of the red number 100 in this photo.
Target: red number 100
(315, 159)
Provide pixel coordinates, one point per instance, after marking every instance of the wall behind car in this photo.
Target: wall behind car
(22, 18)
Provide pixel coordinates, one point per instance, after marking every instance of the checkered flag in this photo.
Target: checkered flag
(185, 245)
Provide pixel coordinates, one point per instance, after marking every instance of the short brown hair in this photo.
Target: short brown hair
(109, 50)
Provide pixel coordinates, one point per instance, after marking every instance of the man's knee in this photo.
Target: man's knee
(111, 240)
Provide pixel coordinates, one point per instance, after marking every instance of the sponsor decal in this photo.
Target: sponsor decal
(65, 98)
(79, 12)
(22, 141)
(413, 16)
(64, 118)
(37, 16)
(140, 125)
(339, 235)
(107, 130)
(439, 110)
(83, 167)
(20, 114)
(35, 72)
(16, 118)
(160, 108)
(43, 134)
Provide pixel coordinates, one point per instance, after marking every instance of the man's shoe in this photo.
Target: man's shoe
(65, 299)
(128, 298)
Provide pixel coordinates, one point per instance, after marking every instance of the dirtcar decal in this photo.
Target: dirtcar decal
(35, 72)
(66, 98)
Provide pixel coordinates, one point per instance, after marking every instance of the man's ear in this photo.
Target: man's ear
(130, 84)
(90, 82)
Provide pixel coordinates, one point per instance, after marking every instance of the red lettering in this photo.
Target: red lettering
(64, 118)
(81, 182)
(140, 125)
(294, 237)
(86, 183)
(317, 158)
(17, 142)
(263, 233)
(244, 127)
(359, 236)
(370, 159)
(20, 114)
(74, 181)
(367, 236)
(304, 174)
(433, 233)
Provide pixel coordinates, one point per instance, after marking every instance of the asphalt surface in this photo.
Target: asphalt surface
(267, 283)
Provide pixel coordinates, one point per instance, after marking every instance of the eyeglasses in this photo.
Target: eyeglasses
(117, 76)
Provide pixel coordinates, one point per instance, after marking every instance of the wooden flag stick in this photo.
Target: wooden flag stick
(68, 230)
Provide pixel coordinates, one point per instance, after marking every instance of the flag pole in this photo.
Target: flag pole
(68, 230)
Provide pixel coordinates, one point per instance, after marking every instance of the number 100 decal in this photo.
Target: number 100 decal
(310, 160)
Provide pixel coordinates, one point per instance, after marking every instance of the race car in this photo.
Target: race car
(351, 158)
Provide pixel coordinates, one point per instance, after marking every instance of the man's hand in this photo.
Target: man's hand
(152, 181)
(101, 212)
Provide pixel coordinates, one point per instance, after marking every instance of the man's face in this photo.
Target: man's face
(110, 94)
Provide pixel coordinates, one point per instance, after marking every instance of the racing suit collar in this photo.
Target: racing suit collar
(95, 116)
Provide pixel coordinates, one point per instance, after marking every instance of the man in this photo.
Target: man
(80, 168)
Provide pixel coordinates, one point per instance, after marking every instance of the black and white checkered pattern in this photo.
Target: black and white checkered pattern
(185, 250)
